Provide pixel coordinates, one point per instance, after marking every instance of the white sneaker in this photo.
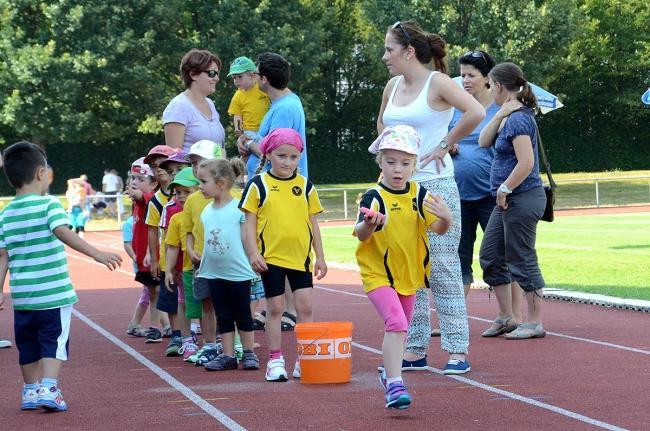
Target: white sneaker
(5, 343)
(296, 369)
(30, 399)
(51, 399)
(275, 371)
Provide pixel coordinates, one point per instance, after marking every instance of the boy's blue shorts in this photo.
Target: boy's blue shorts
(42, 334)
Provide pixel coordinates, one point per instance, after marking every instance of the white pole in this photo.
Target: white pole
(597, 196)
(345, 204)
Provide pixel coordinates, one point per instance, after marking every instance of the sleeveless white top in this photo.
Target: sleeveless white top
(431, 125)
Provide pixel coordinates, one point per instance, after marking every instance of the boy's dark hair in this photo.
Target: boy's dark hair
(21, 161)
(275, 68)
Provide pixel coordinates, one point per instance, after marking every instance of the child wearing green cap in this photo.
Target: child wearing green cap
(249, 104)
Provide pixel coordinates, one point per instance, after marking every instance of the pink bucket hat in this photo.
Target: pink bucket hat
(280, 137)
(401, 138)
(140, 167)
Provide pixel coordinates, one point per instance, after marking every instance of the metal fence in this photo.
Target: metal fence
(342, 203)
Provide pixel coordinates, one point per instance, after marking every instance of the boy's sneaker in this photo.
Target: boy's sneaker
(153, 336)
(417, 365)
(275, 371)
(250, 361)
(221, 363)
(174, 347)
(30, 399)
(51, 399)
(456, 366)
(296, 369)
(188, 349)
(167, 332)
(397, 397)
(5, 343)
(205, 355)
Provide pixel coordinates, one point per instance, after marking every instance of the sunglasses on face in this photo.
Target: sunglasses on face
(406, 34)
(476, 54)
(211, 73)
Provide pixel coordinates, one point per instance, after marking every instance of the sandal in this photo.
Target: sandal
(288, 321)
(259, 321)
(526, 331)
(500, 326)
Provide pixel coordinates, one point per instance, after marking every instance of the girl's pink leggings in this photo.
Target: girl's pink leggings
(395, 309)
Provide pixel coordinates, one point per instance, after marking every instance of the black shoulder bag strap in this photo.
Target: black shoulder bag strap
(542, 151)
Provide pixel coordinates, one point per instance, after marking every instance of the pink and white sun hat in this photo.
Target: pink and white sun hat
(400, 137)
(140, 167)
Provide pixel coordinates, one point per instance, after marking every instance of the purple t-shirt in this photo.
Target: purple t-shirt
(197, 126)
(519, 123)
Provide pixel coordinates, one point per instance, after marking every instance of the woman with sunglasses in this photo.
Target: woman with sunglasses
(191, 115)
(472, 170)
(421, 95)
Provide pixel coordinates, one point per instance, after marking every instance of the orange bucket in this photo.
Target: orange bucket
(325, 352)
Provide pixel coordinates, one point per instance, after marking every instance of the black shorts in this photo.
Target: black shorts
(167, 301)
(144, 277)
(273, 280)
(42, 334)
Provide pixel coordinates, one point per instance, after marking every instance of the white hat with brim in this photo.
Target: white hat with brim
(401, 138)
(206, 149)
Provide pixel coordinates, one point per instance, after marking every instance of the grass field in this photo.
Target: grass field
(605, 254)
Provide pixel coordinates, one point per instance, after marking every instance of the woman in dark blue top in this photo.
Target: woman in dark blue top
(508, 249)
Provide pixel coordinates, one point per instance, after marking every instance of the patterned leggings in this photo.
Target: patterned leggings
(446, 283)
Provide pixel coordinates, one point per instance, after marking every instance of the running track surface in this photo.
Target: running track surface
(591, 372)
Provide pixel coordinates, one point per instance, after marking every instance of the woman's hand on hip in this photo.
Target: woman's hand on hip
(437, 156)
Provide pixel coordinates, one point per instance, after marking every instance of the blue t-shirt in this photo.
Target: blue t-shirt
(127, 230)
(519, 123)
(472, 164)
(285, 112)
(223, 250)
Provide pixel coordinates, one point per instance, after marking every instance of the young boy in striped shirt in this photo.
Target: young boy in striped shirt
(33, 230)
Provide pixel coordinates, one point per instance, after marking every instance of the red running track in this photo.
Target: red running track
(591, 372)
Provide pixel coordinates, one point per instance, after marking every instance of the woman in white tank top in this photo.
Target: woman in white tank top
(425, 99)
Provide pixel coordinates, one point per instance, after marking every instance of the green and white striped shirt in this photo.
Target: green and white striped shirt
(38, 266)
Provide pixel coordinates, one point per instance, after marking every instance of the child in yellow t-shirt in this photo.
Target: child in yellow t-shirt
(393, 250)
(249, 103)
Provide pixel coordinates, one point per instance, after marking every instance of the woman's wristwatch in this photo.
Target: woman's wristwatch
(443, 144)
(504, 189)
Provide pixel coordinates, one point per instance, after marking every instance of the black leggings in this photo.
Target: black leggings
(231, 301)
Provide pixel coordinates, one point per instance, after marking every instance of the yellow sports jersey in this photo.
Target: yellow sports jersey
(191, 221)
(283, 207)
(397, 253)
(152, 218)
(251, 104)
(176, 237)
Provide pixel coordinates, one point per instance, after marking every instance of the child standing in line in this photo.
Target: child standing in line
(192, 226)
(157, 155)
(171, 300)
(182, 186)
(33, 230)
(224, 263)
(142, 190)
(281, 207)
(134, 327)
(249, 103)
(76, 196)
(393, 254)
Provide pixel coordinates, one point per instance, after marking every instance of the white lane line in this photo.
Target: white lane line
(556, 334)
(513, 396)
(165, 376)
(168, 378)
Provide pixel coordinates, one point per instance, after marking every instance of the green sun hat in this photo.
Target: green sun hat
(241, 65)
(184, 178)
